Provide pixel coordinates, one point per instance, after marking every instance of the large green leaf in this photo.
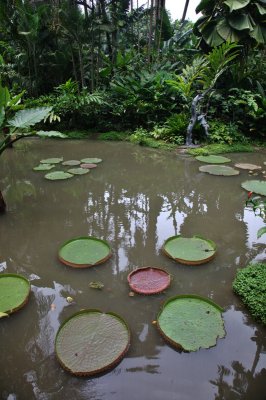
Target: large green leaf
(84, 252)
(90, 342)
(14, 292)
(227, 32)
(259, 34)
(193, 251)
(4, 96)
(255, 186)
(240, 22)
(261, 232)
(261, 9)
(191, 322)
(236, 4)
(211, 34)
(27, 118)
(2, 115)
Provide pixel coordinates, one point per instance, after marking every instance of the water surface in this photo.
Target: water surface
(135, 199)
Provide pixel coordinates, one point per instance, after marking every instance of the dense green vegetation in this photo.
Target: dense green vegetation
(106, 66)
(250, 285)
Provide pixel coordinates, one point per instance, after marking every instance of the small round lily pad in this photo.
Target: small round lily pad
(54, 160)
(191, 251)
(78, 171)
(58, 175)
(213, 159)
(250, 167)
(71, 163)
(14, 292)
(88, 166)
(149, 280)
(91, 160)
(219, 170)
(91, 342)
(44, 167)
(190, 322)
(255, 186)
(84, 252)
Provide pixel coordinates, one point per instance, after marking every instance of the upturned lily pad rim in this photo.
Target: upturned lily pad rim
(155, 291)
(190, 262)
(24, 302)
(85, 265)
(106, 367)
(172, 342)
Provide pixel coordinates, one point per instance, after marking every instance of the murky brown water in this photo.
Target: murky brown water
(135, 199)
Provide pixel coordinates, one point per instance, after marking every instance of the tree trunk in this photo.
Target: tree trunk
(185, 11)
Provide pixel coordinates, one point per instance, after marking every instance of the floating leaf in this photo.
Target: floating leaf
(88, 166)
(71, 163)
(90, 342)
(44, 167)
(91, 160)
(191, 322)
(55, 160)
(250, 167)
(258, 187)
(191, 251)
(261, 232)
(51, 134)
(78, 171)
(84, 252)
(3, 314)
(14, 292)
(219, 170)
(58, 175)
(213, 159)
(96, 285)
(149, 280)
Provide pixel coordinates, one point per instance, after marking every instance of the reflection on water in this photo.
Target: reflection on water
(135, 199)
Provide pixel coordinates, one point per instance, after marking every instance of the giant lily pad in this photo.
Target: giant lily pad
(90, 342)
(71, 163)
(258, 187)
(54, 160)
(58, 175)
(149, 280)
(192, 251)
(219, 170)
(213, 159)
(14, 292)
(84, 252)
(91, 160)
(78, 171)
(190, 322)
(250, 167)
(44, 167)
(88, 166)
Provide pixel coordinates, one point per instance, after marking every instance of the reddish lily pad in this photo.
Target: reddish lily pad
(191, 251)
(88, 166)
(190, 322)
(91, 342)
(149, 280)
(84, 252)
(250, 167)
(255, 186)
(223, 170)
(213, 159)
(14, 292)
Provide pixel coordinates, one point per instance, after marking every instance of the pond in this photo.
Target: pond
(135, 199)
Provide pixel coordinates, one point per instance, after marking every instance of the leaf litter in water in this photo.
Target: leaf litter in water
(14, 292)
(192, 251)
(91, 342)
(96, 285)
(191, 322)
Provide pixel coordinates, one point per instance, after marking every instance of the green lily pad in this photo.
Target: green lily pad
(219, 170)
(14, 292)
(250, 167)
(213, 159)
(44, 167)
(91, 160)
(190, 322)
(58, 175)
(55, 160)
(91, 342)
(192, 251)
(258, 187)
(78, 171)
(84, 252)
(71, 163)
